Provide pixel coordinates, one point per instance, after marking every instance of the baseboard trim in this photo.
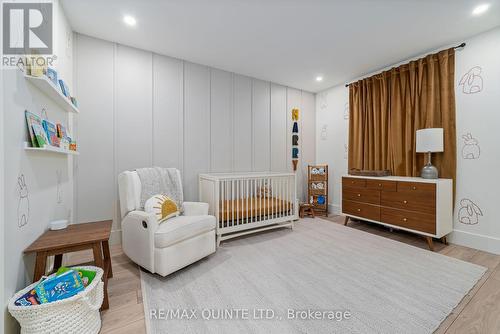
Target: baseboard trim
(334, 209)
(477, 241)
(116, 237)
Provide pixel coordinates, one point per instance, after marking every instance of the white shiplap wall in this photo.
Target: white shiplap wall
(141, 109)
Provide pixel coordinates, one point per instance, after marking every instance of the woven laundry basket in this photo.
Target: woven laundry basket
(77, 314)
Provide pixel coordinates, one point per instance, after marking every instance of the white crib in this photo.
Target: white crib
(250, 202)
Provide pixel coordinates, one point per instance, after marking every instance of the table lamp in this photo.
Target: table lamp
(428, 141)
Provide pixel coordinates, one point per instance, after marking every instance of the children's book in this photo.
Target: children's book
(52, 75)
(40, 136)
(64, 88)
(30, 120)
(28, 299)
(51, 131)
(61, 131)
(59, 287)
(87, 276)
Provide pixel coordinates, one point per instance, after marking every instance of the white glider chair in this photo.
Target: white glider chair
(169, 246)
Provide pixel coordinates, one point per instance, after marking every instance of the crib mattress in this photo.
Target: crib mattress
(252, 207)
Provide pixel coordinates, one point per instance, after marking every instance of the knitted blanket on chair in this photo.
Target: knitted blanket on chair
(158, 180)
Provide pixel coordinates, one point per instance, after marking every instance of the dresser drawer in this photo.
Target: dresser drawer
(353, 182)
(381, 185)
(361, 195)
(417, 188)
(411, 201)
(412, 220)
(362, 210)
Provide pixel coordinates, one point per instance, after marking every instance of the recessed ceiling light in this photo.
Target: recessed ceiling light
(319, 78)
(129, 20)
(481, 9)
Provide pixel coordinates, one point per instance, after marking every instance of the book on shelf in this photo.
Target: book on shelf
(51, 73)
(51, 132)
(64, 88)
(32, 119)
(61, 131)
(40, 136)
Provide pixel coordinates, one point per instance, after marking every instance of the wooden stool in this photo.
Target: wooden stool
(75, 237)
(306, 209)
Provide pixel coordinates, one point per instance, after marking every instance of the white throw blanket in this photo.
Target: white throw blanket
(158, 180)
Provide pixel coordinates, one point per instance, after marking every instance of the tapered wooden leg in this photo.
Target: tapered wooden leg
(97, 250)
(444, 240)
(58, 261)
(40, 264)
(107, 257)
(430, 243)
(346, 220)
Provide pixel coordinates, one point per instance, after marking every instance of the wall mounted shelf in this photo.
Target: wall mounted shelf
(48, 148)
(48, 88)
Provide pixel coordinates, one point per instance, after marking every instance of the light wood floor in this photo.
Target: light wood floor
(479, 311)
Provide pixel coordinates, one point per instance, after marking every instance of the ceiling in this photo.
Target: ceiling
(289, 42)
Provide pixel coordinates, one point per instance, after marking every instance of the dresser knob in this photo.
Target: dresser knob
(352, 182)
(380, 184)
(405, 202)
(359, 210)
(359, 195)
(414, 188)
(405, 219)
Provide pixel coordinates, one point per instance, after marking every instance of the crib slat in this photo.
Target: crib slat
(281, 196)
(246, 207)
(260, 198)
(288, 196)
(273, 200)
(240, 198)
(268, 181)
(237, 199)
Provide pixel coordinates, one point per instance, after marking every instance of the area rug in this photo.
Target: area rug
(321, 277)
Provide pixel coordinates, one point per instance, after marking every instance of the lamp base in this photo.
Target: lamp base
(429, 172)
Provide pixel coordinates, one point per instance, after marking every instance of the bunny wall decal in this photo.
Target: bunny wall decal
(346, 151)
(346, 111)
(469, 212)
(23, 205)
(472, 82)
(471, 149)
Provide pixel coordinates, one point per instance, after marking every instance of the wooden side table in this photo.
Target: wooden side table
(75, 238)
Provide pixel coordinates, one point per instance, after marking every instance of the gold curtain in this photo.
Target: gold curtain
(388, 108)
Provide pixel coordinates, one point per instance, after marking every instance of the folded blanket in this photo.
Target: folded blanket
(158, 180)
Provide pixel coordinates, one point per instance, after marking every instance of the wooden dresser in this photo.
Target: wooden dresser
(408, 203)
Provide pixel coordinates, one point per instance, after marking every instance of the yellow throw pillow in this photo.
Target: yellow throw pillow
(162, 206)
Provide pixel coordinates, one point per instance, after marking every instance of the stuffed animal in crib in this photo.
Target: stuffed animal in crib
(469, 212)
(265, 191)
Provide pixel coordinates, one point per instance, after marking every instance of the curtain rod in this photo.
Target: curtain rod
(462, 45)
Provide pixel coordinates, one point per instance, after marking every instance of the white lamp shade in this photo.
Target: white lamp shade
(430, 140)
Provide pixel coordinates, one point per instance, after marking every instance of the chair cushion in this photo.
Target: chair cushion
(181, 228)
